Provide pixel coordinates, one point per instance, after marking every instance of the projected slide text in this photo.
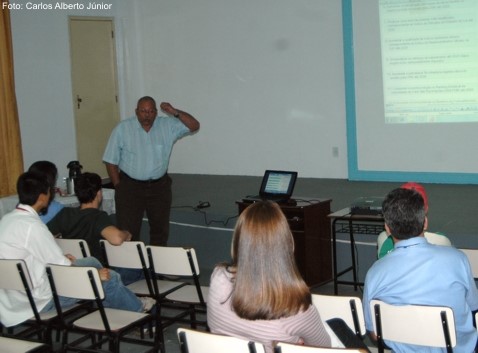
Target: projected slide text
(429, 60)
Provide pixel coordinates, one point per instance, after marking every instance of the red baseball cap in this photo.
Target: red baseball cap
(418, 188)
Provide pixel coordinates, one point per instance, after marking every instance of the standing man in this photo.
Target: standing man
(417, 272)
(137, 159)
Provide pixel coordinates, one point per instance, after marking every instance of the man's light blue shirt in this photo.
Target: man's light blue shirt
(53, 208)
(140, 154)
(417, 272)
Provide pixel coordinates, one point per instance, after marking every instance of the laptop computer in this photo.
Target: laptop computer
(277, 186)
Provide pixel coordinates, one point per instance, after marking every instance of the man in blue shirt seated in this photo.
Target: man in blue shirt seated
(408, 275)
(385, 241)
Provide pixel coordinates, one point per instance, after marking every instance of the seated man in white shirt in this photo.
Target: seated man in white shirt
(24, 236)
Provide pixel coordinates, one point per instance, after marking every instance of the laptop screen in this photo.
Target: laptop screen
(277, 182)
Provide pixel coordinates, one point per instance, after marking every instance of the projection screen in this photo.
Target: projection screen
(411, 69)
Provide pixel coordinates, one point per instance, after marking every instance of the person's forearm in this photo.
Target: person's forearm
(113, 173)
(187, 119)
(115, 236)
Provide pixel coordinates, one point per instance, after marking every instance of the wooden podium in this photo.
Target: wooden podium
(310, 227)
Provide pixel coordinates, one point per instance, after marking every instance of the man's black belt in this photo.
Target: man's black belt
(149, 181)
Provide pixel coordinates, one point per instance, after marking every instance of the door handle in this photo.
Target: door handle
(78, 101)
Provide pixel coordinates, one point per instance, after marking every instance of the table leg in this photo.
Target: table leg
(352, 252)
(334, 255)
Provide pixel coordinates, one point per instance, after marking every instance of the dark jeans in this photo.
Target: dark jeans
(133, 198)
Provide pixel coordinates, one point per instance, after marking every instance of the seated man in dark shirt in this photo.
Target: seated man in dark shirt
(88, 222)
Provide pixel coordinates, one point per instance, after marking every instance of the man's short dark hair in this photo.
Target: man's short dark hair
(87, 186)
(48, 169)
(29, 187)
(45, 167)
(404, 213)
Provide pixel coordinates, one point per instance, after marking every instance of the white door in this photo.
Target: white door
(95, 97)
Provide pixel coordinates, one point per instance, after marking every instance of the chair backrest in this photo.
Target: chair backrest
(15, 276)
(472, 255)
(283, 347)
(83, 283)
(173, 261)
(75, 281)
(348, 309)
(11, 275)
(431, 326)
(77, 247)
(193, 341)
(130, 254)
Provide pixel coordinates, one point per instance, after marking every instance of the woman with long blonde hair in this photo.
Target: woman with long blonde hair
(260, 295)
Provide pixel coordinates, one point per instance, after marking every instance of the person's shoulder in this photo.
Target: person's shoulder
(53, 209)
(16, 216)
(445, 254)
(168, 121)
(382, 265)
(127, 123)
(128, 120)
(93, 213)
(451, 250)
(219, 270)
(62, 214)
(66, 211)
(56, 205)
(311, 310)
(163, 120)
(437, 239)
(440, 248)
(384, 244)
(92, 210)
(221, 273)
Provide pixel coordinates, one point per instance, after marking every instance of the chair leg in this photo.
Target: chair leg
(192, 316)
(48, 335)
(64, 340)
(58, 335)
(114, 344)
(161, 343)
(159, 334)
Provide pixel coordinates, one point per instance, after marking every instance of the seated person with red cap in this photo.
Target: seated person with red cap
(385, 242)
